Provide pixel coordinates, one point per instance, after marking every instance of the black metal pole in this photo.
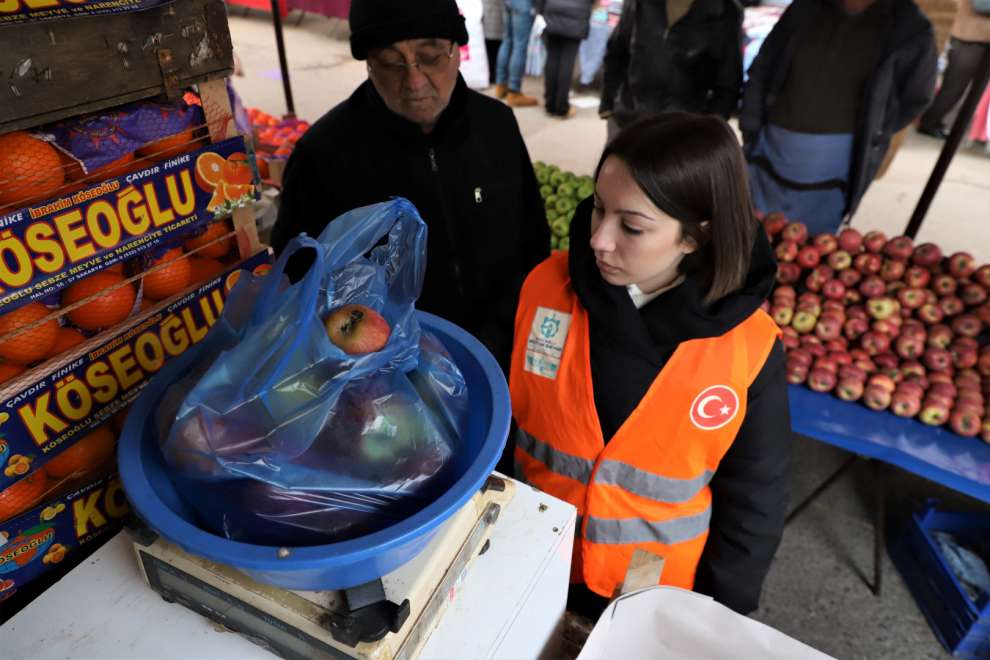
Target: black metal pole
(282, 63)
(822, 487)
(951, 143)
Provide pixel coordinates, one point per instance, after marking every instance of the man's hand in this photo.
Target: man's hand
(604, 114)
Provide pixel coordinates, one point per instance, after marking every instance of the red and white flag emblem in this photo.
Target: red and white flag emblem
(715, 407)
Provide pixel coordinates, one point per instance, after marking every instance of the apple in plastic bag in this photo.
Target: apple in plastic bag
(357, 329)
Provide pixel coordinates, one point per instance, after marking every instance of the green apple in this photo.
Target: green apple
(564, 243)
(560, 227)
(545, 191)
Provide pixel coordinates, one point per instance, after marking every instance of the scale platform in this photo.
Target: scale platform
(389, 618)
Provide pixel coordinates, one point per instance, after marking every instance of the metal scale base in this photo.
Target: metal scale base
(388, 618)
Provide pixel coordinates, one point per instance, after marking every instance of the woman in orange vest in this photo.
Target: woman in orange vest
(647, 384)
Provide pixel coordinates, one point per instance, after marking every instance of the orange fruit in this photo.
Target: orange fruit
(90, 452)
(214, 230)
(147, 303)
(9, 371)
(66, 339)
(209, 170)
(116, 268)
(263, 170)
(23, 495)
(114, 168)
(205, 269)
(231, 281)
(237, 169)
(32, 345)
(107, 308)
(174, 276)
(169, 146)
(29, 168)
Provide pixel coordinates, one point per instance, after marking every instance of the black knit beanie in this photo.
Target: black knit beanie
(380, 23)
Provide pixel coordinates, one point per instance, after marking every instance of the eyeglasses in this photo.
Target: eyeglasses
(426, 63)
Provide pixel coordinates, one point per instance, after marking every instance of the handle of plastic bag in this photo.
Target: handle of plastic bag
(270, 290)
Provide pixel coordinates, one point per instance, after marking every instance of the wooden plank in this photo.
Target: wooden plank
(644, 571)
(58, 69)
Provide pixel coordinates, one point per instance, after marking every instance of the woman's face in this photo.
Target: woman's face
(634, 242)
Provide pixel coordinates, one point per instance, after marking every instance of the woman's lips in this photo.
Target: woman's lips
(605, 268)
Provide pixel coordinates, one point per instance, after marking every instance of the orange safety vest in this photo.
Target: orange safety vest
(648, 487)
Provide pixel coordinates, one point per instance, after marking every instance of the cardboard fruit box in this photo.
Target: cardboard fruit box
(40, 539)
(68, 417)
(47, 247)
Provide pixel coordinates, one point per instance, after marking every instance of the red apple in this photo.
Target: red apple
(874, 241)
(800, 356)
(937, 359)
(971, 398)
(887, 361)
(357, 329)
(807, 257)
(857, 312)
(827, 363)
(874, 342)
(840, 260)
(796, 374)
(834, 289)
(982, 276)
(914, 327)
(877, 398)
(899, 248)
(821, 380)
(950, 305)
(910, 347)
(917, 277)
(872, 287)
(961, 264)
(967, 325)
(911, 298)
(966, 423)
(788, 273)
(849, 389)
(774, 223)
(868, 263)
(940, 336)
(944, 285)
(849, 276)
(927, 255)
(940, 377)
(826, 244)
(911, 388)
(784, 292)
(853, 297)
(795, 231)
(854, 328)
(983, 313)
(828, 327)
(963, 357)
(912, 368)
(943, 389)
(839, 347)
(931, 314)
(904, 404)
(804, 322)
(973, 294)
(787, 251)
(850, 240)
(892, 270)
(834, 306)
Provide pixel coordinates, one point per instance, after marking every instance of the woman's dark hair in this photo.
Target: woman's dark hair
(692, 169)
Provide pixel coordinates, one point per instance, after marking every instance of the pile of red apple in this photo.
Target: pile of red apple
(898, 327)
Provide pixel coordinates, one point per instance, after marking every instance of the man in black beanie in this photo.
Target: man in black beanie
(414, 129)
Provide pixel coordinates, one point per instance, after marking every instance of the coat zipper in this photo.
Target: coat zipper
(456, 267)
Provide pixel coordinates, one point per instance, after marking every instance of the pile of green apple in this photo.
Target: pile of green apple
(561, 192)
(895, 326)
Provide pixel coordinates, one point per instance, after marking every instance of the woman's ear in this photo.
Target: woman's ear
(688, 244)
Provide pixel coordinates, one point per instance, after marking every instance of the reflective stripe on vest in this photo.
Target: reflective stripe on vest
(642, 483)
(636, 530)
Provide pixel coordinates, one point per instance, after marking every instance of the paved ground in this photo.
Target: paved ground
(815, 591)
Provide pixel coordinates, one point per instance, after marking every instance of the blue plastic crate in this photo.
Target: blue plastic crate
(962, 625)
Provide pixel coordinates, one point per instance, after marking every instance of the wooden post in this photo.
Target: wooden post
(645, 569)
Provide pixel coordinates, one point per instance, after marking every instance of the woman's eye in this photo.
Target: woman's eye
(632, 231)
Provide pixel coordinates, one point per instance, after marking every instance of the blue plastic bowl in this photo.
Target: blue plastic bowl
(337, 565)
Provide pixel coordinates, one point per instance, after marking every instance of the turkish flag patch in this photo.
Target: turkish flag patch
(714, 407)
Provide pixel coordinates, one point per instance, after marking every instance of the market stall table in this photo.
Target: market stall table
(935, 453)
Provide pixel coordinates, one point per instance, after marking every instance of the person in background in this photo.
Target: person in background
(511, 64)
(832, 83)
(648, 386)
(672, 56)
(568, 22)
(968, 45)
(493, 20)
(415, 130)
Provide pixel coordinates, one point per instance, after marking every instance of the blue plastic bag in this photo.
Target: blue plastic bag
(280, 437)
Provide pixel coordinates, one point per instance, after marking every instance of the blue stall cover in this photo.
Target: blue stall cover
(935, 453)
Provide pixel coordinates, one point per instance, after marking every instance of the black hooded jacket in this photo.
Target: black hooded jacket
(470, 179)
(629, 347)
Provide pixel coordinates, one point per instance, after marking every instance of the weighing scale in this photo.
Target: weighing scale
(389, 618)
